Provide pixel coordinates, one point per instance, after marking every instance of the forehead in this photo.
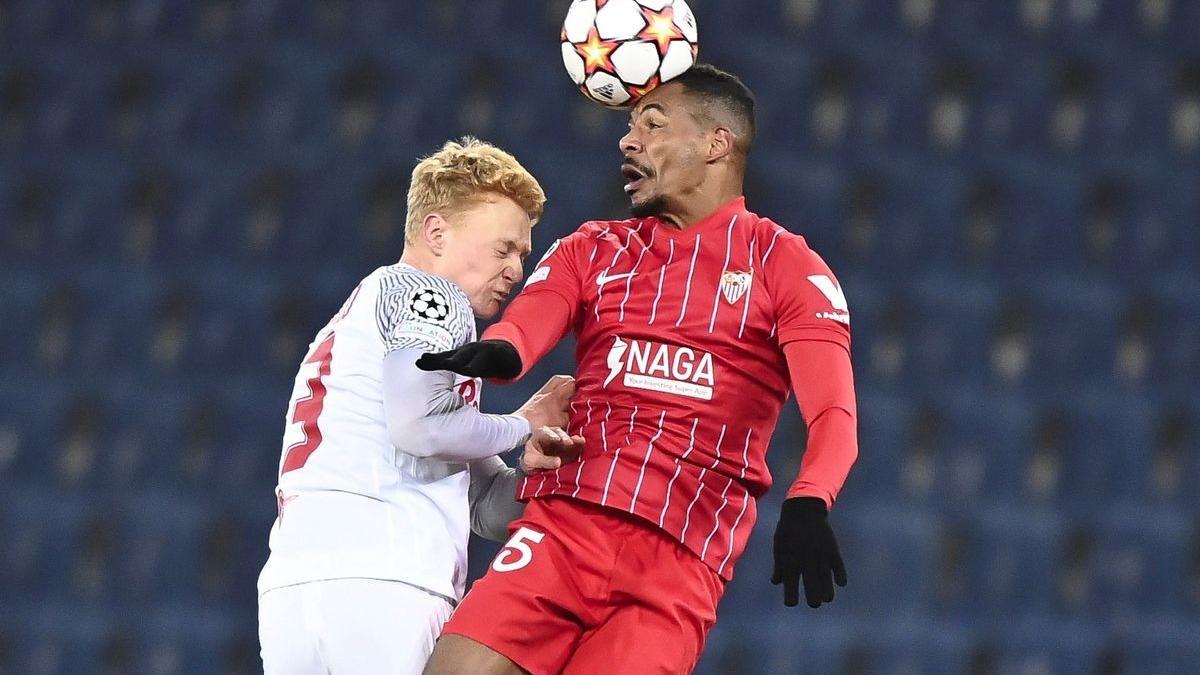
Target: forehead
(668, 99)
(500, 219)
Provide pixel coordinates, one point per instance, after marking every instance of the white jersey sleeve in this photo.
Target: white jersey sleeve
(426, 418)
(422, 312)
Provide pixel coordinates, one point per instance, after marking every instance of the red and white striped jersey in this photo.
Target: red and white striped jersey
(681, 372)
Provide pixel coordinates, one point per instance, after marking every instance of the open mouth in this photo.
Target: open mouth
(634, 176)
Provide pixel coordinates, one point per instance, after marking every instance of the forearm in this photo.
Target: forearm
(534, 323)
(426, 418)
(462, 435)
(832, 450)
(823, 381)
(493, 500)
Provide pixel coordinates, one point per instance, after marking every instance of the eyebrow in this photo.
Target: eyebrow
(647, 107)
(510, 244)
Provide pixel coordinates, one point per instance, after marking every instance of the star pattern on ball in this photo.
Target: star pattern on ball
(660, 28)
(596, 53)
(430, 305)
(637, 92)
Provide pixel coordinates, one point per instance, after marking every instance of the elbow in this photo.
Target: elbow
(415, 439)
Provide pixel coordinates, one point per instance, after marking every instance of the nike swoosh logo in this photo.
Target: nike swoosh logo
(605, 278)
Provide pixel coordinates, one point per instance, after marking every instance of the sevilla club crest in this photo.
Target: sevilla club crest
(735, 284)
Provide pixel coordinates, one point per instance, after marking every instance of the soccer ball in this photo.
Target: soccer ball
(617, 51)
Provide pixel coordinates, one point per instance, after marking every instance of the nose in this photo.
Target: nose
(514, 272)
(629, 143)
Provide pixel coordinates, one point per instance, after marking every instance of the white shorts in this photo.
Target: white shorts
(349, 626)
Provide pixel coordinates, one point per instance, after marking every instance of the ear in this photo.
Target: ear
(720, 145)
(433, 232)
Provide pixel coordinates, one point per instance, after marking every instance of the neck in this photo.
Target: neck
(701, 203)
(419, 259)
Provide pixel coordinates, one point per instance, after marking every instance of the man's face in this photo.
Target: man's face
(484, 251)
(664, 151)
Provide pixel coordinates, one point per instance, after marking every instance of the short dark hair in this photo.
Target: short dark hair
(714, 87)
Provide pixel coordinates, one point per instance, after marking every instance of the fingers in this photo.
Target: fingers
(814, 591)
(435, 361)
(559, 381)
(791, 589)
(549, 448)
(839, 570)
(534, 461)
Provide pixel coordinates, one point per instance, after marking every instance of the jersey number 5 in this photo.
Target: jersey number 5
(524, 552)
(308, 409)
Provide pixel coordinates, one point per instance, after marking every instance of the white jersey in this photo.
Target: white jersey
(350, 504)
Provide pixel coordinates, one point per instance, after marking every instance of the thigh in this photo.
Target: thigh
(288, 643)
(374, 626)
(542, 590)
(664, 602)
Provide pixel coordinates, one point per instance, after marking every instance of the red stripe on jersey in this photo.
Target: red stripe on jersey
(632, 273)
(687, 290)
(617, 456)
(649, 451)
(662, 272)
(691, 445)
(712, 322)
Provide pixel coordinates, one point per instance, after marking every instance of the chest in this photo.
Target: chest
(703, 290)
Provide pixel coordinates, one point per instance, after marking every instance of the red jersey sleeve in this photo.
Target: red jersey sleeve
(824, 384)
(813, 330)
(809, 304)
(549, 304)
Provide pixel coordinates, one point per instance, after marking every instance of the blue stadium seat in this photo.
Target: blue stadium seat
(162, 534)
(1142, 559)
(894, 555)
(1075, 328)
(45, 527)
(1109, 441)
(952, 351)
(1049, 643)
(1012, 558)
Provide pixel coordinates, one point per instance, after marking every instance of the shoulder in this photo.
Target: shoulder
(782, 246)
(583, 240)
(404, 280)
(407, 292)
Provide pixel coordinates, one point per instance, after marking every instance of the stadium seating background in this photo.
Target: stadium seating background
(1007, 190)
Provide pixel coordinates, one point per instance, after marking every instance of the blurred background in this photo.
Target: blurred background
(1008, 191)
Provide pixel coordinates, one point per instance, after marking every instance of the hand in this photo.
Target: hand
(806, 548)
(548, 407)
(486, 358)
(548, 449)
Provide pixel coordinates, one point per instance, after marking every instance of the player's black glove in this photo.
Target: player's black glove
(806, 548)
(486, 358)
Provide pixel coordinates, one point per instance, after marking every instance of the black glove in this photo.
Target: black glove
(486, 358)
(805, 547)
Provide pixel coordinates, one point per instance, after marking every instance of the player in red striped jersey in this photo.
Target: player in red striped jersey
(693, 319)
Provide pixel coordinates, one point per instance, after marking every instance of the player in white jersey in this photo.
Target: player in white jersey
(385, 468)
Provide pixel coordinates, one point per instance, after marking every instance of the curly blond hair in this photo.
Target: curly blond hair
(464, 173)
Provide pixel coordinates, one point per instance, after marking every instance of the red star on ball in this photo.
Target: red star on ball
(661, 28)
(636, 92)
(596, 53)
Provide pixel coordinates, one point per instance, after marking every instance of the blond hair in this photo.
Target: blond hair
(464, 173)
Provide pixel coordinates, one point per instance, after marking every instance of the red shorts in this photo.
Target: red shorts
(584, 589)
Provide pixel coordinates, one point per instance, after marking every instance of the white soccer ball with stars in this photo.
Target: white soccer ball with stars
(617, 51)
